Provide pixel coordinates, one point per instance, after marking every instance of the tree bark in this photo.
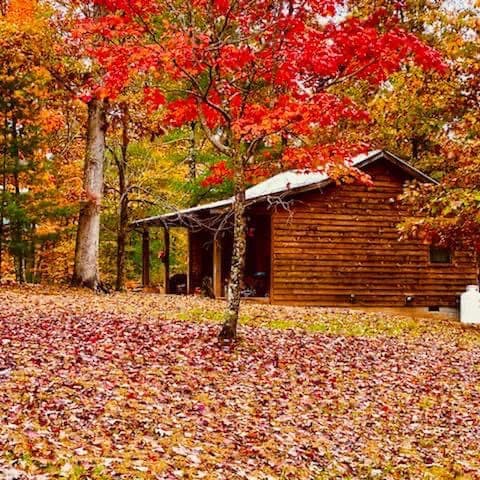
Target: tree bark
(30, 271)
(17, 223)
(122, 234)
(4, 190)
(122, 237)
(166, 260)
(417, 143)
(192, 154)
(146, 258)
(86, 272)
(229, 328)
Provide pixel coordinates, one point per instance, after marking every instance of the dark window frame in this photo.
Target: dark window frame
(440, 255)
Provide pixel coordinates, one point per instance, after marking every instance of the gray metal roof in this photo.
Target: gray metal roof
(286, 183)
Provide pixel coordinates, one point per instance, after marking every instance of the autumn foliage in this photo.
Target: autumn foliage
(256, 76)
(199, 99)
(39, 187)
(259, 70)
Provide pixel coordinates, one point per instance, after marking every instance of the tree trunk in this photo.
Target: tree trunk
(146, 258)
(1, 233)
(229, 328)
(192, 154)
(88, 233)
(166, 260)
(122, 234)
(416, 147)
(4, 191)
(17, 223)
(30, 271)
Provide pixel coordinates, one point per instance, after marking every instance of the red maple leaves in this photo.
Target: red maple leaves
(218, 173)
(262, 71)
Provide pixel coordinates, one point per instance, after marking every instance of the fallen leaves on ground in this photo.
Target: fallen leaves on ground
(103, 387)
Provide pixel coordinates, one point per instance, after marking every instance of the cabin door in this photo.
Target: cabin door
(258, 256)
(256, 281)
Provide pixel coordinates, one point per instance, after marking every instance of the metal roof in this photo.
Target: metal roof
(291, 181)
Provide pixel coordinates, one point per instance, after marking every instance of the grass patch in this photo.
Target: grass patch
(348, 323)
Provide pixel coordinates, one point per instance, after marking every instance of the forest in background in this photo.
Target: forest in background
(159, 159)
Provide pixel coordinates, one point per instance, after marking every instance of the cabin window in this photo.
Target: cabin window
(440, 254)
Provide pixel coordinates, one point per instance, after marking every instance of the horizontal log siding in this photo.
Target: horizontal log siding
(344, 241)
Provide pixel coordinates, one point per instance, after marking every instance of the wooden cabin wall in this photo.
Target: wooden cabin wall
(344, 242)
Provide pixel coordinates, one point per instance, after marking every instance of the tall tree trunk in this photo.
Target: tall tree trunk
(17, 223)
(86, 272)
(122, 234)
(229, 328)
(4, 191)
(30, 272)
(2, 229)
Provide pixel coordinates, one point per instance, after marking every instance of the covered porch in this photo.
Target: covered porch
(209, 251)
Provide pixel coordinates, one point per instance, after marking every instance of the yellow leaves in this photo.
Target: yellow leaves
(47, 228)
(427, 402)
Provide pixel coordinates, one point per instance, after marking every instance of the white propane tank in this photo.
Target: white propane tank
(470, 305)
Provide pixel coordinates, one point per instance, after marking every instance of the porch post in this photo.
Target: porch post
(146, 258)
(189, 259)
(217, 267)
(166, 264)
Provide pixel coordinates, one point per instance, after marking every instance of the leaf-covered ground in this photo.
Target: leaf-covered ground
(134, 386)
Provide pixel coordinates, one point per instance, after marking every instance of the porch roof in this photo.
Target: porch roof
(282, 184)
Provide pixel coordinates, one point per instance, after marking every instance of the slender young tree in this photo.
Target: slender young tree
(257, 77)
(121, 162)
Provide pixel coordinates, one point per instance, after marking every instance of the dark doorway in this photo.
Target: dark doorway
(258, 258)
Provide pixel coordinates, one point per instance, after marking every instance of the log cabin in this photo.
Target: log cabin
(312, 241)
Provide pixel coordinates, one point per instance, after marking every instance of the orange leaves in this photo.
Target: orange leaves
(21, 12)
(51, 120)
(181, 111)
(222, 6)
(131, 8)
(185, 110)
(154, 98)
(325, 156)
(255, 73)
(256, 121)
(285, 50)
(233, 58)
(184, 53)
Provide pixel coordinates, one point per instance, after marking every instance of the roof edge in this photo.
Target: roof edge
(406, 166)
(163, 220)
